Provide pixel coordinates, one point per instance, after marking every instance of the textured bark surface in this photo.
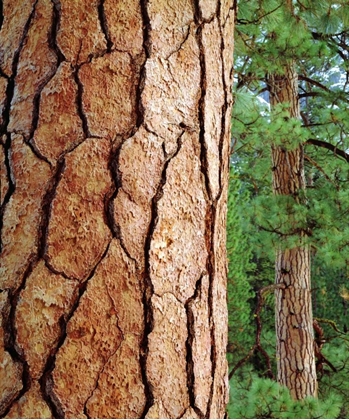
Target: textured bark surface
(114, 151)
(294, 317)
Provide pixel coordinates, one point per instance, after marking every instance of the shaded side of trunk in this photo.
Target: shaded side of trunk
(114, 154)
(294, 319)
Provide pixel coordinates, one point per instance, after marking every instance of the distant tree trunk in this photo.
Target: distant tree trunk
(294, 318)
(115, 134)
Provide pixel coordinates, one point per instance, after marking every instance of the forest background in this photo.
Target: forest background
(315, 36)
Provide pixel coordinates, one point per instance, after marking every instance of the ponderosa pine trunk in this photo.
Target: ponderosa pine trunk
(294, 319)
(115, 134)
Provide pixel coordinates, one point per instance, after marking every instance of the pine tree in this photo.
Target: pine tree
(314, 38)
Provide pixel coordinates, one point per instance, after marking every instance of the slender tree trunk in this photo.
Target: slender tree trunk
(115, 133)
(294, 319)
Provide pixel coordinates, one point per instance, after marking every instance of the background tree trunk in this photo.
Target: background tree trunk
(115, 133)
(294, 316)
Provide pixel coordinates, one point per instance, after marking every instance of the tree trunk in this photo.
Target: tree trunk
(294, 319)
(115, 133)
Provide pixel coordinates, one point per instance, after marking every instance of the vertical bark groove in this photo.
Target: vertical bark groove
(189, 345)
(104, 25)
(148, 286)
(46, 208)
(53, 35)
(46, 380)
(79, 105)
(201, 115)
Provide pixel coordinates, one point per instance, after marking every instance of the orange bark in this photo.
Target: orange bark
(114, 152)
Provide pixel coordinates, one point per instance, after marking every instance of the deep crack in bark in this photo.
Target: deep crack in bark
(210, 226)
(142, 71)
(55, 28)
(211, 209)
(10, 335)
(46, 380)
(201, 114)
(1, 14)
(113, 166)
(46, 207)
(6, 117)
(11, 183)
(224, 109)
(104, 25)
(52, 43)
(189, 347)
(79, 104)
(148, 289)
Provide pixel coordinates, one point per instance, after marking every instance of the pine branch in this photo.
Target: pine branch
(255, 21)
(309, 95)
(313, 82)
(337, 152)
(331, 323)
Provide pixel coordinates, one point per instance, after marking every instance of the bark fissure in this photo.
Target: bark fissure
(9, 95)
(6, 116)
(185, 38)
(224, 107)
(211, 209)
(104, 25)
(10, 180)
(146, 27)
(197, 12)
(52, 43)
(46, 206)
(201, 112)
(189, 347)
(109, 200)
(210, 269)
(142, 69)
(21, 42)
(36, 151)
(55, 27)
(10, 336)
(79, 104)
(46, 380)
(148, 288)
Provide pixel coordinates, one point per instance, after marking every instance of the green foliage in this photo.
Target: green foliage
(239, 289)
(264, 398)
(315, 36)
(337, 382)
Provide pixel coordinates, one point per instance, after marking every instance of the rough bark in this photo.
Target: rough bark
(294, 318)
(114, 151)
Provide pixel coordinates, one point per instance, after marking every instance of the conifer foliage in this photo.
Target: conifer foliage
(313, 39)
